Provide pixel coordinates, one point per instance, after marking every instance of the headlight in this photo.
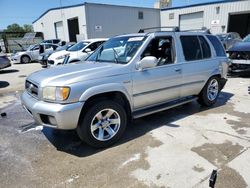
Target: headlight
(56, 93)
(61, 57)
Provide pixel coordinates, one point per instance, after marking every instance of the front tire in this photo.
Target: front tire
(209, 94)
(103, 124)
(25, 59)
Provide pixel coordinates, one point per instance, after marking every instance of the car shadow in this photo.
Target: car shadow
(68, 141)
(15, 63)
(4, 84)
(8, 71)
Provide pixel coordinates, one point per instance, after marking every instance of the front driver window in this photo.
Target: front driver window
(162, 49)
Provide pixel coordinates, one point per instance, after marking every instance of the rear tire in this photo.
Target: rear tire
(209, 94)
(103, 124)
(25, 59)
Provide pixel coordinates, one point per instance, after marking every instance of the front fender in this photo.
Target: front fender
(105, 88)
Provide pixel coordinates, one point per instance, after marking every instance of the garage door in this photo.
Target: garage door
(191, 21)
(59, 30)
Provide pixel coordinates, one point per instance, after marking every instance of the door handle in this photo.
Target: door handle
(177, 69)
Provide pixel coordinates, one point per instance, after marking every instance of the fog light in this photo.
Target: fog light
(52, 120)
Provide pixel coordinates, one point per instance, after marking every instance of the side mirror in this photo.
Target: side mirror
(88, 50)
(147, 62)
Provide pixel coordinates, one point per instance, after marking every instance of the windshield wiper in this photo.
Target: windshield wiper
(116, 55)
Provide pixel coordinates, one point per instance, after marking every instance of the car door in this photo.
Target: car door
(197, 63)
(34, 53)
(159, 84)
(48, 47)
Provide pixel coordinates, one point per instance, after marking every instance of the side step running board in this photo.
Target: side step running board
(162, 107)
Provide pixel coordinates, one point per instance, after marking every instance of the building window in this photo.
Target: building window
(171, 16)
(217, 10)
(140, 15)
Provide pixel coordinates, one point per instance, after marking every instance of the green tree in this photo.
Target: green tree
(14, 28)
(28, 28)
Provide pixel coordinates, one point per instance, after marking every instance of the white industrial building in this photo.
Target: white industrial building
(91, 20)
(219, 17)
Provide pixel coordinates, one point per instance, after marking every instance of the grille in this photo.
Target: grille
(31, 88)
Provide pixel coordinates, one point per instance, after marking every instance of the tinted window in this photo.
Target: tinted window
(206, 52)
(191, 48)
(219, 49)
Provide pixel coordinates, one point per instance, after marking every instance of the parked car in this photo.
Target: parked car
(4, 61)
(32, 53)
(129, 76)
(80, 50)
(229, 39)
(43, 58)
(240, 56)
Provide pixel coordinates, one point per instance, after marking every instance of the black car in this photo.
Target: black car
(240, 55)
(43, 58)
(4, 61)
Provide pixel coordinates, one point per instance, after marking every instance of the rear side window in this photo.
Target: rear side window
(191, 48)
(219, 49)
(206, 51)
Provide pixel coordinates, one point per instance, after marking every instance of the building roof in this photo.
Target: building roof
(201, 4)
(83, 4)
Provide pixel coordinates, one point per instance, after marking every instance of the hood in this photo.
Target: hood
(55, 55)
(240, 46)
(69, 74)
(20, 53)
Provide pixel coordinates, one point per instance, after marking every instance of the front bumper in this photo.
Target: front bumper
(59, 116)
(239, 65)
(15, 58)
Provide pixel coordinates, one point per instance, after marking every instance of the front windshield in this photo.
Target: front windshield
(247, 39)
(117, 50)
(222, 37)
(78, 46)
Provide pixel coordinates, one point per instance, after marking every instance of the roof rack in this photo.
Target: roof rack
(174, 28)
(203, 29)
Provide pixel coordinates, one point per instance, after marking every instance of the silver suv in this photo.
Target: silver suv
(128, 77)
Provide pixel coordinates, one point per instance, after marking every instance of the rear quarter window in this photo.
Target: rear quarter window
(191, 48)
(218, 47)
(206, 51)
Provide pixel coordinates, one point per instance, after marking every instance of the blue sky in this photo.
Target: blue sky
(26, 11)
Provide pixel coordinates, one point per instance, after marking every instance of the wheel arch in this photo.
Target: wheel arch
(110, 92)
(23, 55)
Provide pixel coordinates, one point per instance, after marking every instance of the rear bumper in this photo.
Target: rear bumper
(59, 116)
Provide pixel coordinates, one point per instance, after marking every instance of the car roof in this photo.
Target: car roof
(133, 35)
(95, 40)
(47, 44)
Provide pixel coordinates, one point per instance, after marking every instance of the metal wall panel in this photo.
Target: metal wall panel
(210, 14)
(108, 20)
